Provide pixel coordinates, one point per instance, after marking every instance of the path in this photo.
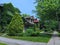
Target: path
(55, 40)
(19, 42)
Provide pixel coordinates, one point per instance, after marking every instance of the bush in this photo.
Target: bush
(36, 33)
(29, 32)
(48, 30)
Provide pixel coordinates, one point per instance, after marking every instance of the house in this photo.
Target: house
(29, 21)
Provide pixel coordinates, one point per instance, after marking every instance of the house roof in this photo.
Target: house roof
(36, 21)
(29, 17)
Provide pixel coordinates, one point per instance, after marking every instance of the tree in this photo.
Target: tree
(11, 8)
(16, 25)
(25, 15)
(6, 14)
(48, 10)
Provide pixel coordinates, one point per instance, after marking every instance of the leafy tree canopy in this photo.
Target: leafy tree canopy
(7, 11)
(48, 9)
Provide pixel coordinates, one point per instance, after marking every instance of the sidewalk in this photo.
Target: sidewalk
(55, 40)
(19, 42)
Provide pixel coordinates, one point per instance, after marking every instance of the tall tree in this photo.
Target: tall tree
(48, 10)
(6, 14)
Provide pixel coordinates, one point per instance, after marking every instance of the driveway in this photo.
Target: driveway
(19, 42)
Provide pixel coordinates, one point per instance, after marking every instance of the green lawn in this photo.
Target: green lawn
(34, 39)
(2, 44)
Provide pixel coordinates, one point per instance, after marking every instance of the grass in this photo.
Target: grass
(42, 38)
(2, 44)
(34, 39)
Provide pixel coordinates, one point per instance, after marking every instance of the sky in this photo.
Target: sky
(25, 6)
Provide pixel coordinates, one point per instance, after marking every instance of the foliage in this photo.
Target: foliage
(16, 25)
(36, 33)
(11, 8)
(51, 25)
(29, 32)
(36, 27)
(7, 12)
(25, 15)
(48, 10)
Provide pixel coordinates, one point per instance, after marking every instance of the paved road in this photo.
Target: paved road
(18, 42)
(55, 40)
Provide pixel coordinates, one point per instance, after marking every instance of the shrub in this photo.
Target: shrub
(16, 25)
(36, 33)
(29, 32)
